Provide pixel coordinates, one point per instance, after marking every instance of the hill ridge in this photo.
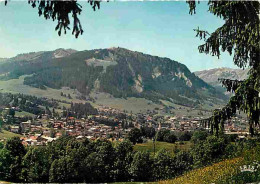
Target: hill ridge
(118, 71)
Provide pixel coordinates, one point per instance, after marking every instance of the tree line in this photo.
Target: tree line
(139, 135)
(26, 103)
(71, 160)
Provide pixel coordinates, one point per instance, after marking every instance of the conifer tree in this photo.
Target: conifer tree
(238, 36)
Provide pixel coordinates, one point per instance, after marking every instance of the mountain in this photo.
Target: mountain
(117, 71)
(211, 76)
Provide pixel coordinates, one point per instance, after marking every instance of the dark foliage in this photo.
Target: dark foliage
(80, 110)
(148, 132)
(199, 136)
(135, 136)
(26, 103)
(184, 136)
(166, 136)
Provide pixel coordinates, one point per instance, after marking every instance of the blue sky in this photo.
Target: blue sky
(157, 28)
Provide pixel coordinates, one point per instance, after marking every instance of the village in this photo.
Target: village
(110, 124)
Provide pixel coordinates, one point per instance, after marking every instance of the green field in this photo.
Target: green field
(171, 147)
(132, 104)
(23, 114)
(6, 135)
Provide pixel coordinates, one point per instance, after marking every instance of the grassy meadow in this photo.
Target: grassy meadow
(6, 134)
(17, 86)
(23, 114)
(217, 173)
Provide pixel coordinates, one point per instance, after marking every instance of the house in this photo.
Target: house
(14, 129)
(25, 126)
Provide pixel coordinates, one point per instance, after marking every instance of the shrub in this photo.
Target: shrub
(204, 152)
(135, 136)
(166, 136)
(199, 136)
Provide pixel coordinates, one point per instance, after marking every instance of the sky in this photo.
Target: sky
(162, 29)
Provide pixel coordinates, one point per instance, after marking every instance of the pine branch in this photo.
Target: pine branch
(230, 85)
(60, 11)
